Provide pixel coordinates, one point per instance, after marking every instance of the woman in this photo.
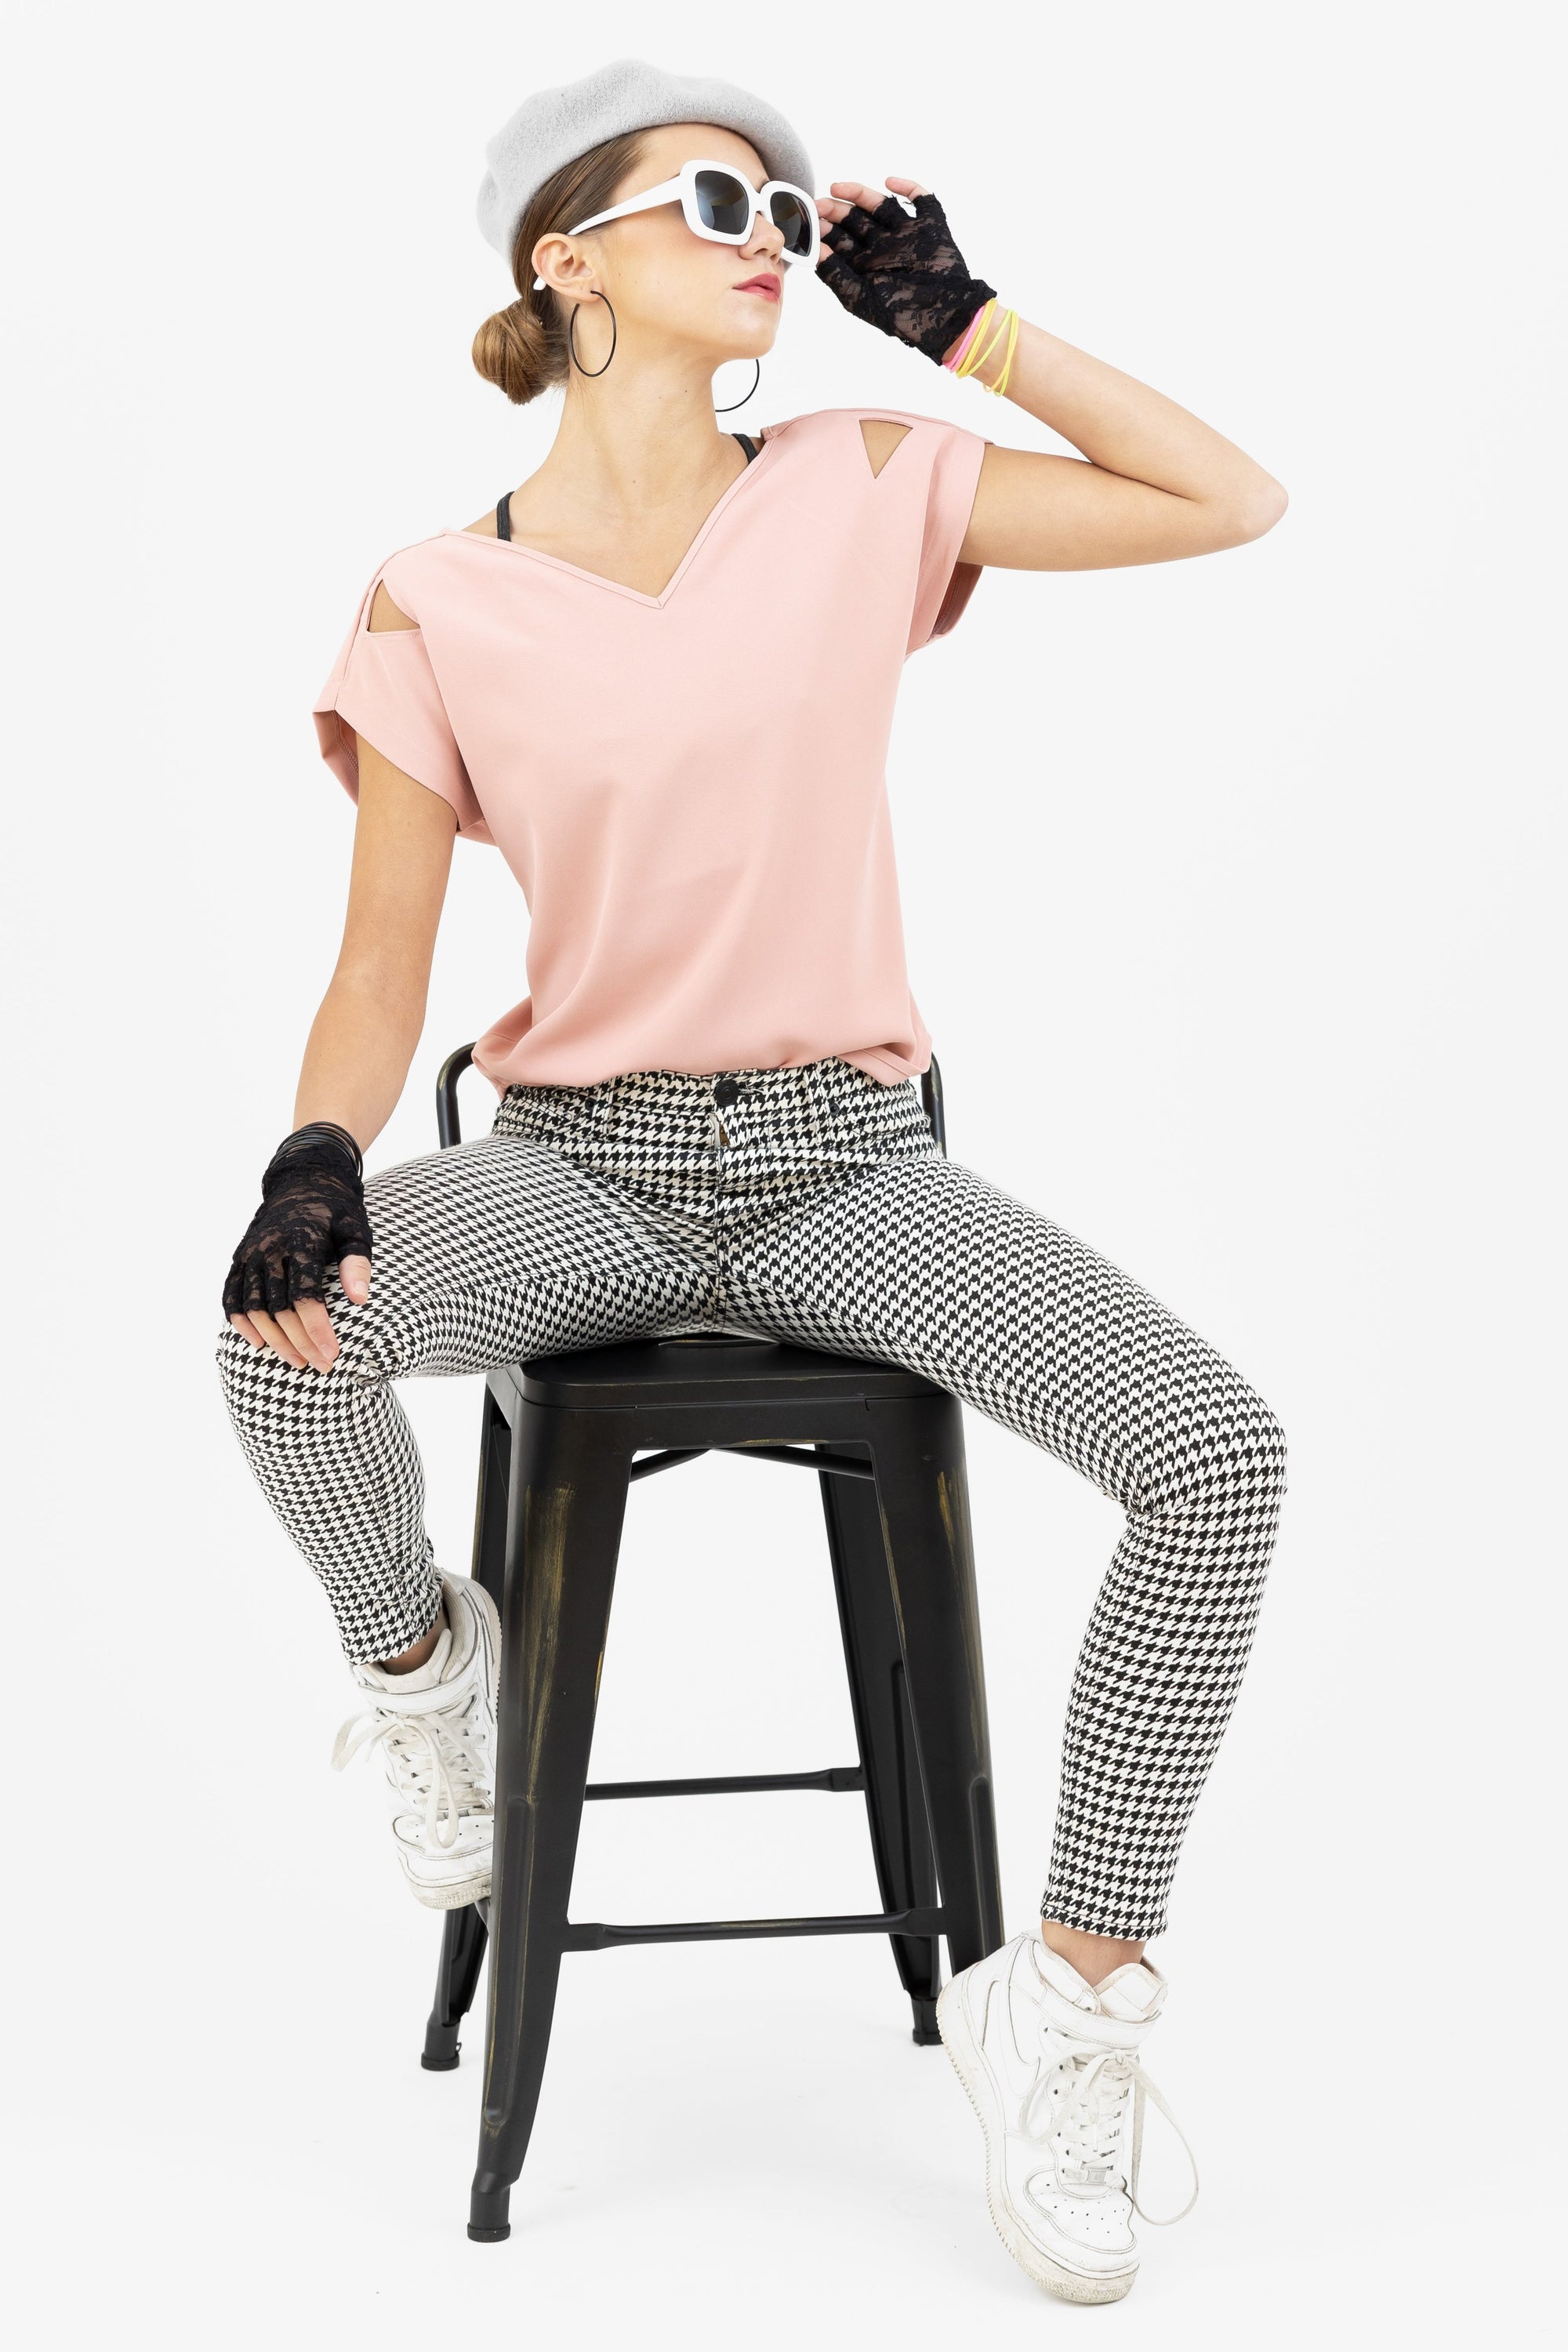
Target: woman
(661, 678)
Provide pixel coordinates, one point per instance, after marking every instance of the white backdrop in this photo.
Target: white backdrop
(1238, 945)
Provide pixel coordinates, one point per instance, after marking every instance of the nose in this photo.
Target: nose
(766, 238)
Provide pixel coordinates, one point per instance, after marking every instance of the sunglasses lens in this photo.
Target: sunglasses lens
(791, 216)
(724, 204)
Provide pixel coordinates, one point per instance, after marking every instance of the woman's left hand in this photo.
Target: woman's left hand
(898, 270)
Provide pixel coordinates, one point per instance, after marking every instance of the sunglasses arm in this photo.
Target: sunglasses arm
(666, 193)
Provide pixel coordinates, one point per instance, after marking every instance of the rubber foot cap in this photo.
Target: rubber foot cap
(488, 2237)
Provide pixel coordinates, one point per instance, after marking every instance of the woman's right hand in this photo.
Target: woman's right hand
(312, 1215)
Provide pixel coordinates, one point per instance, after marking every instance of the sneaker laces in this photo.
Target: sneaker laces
(434, 1759)
(1093, 2103)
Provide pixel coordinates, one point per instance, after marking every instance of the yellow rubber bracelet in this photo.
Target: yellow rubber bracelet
(1008, 354)
(1001, 383)
(1006, 324)
(975, 353)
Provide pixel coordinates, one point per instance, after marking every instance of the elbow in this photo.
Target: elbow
(1255, 509)
(384, 995)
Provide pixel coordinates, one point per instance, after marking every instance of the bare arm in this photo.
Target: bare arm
(363, 1037)
(1155, 481)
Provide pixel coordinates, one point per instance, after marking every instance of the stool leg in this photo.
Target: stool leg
(463, 1940)
(901, 1837)
(463, 1935)
(923, 1491)
(491, 1508)
(569, 1491)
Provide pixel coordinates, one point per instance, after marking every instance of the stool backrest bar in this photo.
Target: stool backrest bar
(452, 1068)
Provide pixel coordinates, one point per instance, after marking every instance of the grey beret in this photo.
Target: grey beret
(555, 125)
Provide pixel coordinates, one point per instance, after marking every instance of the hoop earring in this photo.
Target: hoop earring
(571, 339)
(741, 404)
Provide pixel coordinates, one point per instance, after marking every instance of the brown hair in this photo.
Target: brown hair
(523, 348)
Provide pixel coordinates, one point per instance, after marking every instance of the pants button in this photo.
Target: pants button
(725, 1092)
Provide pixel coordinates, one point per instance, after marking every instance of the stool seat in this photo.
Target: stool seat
(705, 1368)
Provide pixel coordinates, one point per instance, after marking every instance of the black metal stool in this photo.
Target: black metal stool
(561, 1434)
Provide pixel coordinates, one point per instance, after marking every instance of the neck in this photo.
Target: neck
(642, 437)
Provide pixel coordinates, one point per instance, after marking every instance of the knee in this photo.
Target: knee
(1238, 1459)
(1258, 1445)
(248, 1376)
(1252, 1451)
(231, 1354)
(246, 1372)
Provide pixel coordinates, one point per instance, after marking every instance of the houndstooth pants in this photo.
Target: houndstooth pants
(816, 1207)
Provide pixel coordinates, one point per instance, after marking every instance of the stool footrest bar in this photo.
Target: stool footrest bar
(596, 1935)
(837, 1778)
(843, 1466)
(649, 1462)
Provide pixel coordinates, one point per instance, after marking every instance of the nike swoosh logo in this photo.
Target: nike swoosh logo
(1015, 2074)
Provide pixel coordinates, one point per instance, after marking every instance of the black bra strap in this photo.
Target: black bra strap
(503, 504)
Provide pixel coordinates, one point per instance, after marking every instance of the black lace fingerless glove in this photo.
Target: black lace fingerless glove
(902, 272)
(312, 1213)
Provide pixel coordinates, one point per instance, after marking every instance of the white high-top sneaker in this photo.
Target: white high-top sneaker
(436, 1731)
(1050, 2065)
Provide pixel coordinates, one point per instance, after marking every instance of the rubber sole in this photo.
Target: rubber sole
(1073, 2286)
(452, 1898)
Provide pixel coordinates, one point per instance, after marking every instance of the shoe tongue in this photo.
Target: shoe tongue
(1130, 1993)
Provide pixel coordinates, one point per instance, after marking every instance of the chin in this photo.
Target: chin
(754, 346)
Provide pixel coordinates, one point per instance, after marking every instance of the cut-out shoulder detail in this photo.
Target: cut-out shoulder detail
(881, 437)
(386, 614)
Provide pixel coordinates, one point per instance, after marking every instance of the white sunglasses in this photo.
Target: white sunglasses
(722, 204)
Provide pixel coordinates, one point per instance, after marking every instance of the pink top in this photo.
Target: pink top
(690, 787)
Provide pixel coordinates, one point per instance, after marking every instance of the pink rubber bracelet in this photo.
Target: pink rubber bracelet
(953, 357)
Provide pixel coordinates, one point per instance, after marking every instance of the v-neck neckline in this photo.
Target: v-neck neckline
(767, 441)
